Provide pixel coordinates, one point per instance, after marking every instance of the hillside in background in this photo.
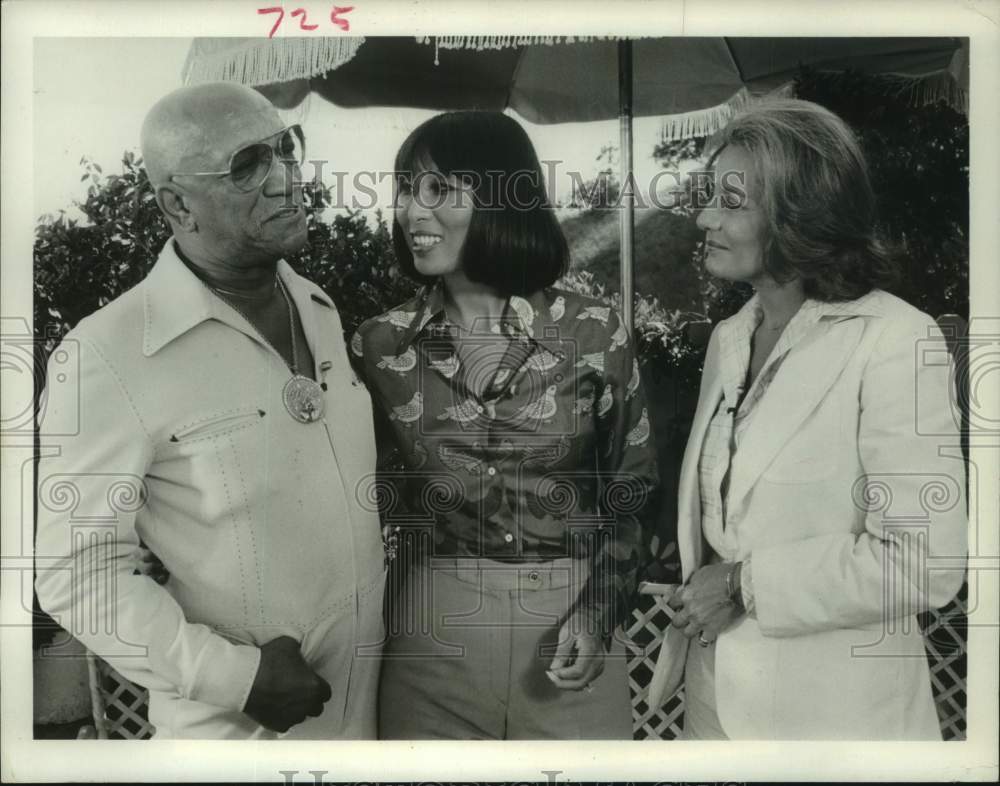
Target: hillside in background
(664, 247)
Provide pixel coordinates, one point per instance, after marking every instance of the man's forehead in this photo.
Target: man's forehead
(229, 129)
(217, 120)
(198, 128)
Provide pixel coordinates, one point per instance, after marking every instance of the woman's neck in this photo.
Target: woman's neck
(473, 305)
(779, 302)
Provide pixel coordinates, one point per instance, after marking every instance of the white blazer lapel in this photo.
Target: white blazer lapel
(806, 375)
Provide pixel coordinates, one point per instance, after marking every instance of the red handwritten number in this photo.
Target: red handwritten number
(343, 24)
(281, 15)
(335, 15)
(302, 12)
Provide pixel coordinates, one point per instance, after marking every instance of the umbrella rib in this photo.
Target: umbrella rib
(513, 76)
(736, 63)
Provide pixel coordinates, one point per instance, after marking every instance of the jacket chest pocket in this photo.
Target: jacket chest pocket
(216, 425)
(217, 458)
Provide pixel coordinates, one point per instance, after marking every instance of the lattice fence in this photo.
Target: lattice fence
(945, 636)
(645, 635)
(120, 707)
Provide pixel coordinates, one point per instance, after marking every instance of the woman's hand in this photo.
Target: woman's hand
(579, 656)
(702, 606)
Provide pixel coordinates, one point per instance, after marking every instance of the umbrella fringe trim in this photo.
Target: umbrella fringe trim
(916, 91)
(482, 42)
(287, 59)
(703, 122)
(283, 60)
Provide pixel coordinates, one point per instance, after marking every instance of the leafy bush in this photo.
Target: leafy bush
(80, 267)
(352, 261)
(918, 158)
(668, 341)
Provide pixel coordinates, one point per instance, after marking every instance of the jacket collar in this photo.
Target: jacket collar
(524, 318)
(175, 301)
(869, 305)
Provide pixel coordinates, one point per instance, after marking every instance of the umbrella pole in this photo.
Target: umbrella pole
(626, 218)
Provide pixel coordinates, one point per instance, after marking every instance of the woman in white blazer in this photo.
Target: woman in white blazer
(822, 491)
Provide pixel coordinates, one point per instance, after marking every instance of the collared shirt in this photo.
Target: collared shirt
(172, 428)
(733, 416)
(553, 457)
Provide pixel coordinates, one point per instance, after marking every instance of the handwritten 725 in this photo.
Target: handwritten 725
(336, 18)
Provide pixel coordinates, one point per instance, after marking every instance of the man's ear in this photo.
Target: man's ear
(174, 206)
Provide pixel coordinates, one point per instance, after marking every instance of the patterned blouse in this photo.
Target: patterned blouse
(552, 458)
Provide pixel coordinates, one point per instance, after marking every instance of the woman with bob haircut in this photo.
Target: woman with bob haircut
(821, 503)
(519, 415)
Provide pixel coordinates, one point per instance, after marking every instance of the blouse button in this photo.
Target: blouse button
(479, 409)
(509, 538)
(491, 471)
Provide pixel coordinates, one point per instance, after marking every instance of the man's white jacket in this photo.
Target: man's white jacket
(172, 429)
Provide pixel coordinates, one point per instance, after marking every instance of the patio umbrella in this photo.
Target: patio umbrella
(695, 84)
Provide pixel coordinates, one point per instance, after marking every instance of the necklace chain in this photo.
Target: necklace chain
(244, 296)
(279, 284)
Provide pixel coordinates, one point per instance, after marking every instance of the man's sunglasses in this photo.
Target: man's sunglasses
(250, 166)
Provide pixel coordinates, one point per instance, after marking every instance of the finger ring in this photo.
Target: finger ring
(702, 642)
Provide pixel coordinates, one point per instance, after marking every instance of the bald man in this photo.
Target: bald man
(215, 418)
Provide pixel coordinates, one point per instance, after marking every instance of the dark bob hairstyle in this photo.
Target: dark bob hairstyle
(817, 197)
(514, 243)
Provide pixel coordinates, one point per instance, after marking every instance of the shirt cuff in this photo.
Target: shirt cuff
(746, 586)
(225, 673)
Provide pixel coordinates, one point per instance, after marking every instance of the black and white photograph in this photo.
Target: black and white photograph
(391, 388)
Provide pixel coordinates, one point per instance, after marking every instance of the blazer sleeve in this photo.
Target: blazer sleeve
(95, 455)
(908, 444)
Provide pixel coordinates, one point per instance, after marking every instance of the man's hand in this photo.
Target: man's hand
(579, 656)
(702, 605)
(150, 565)
(285, 691)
